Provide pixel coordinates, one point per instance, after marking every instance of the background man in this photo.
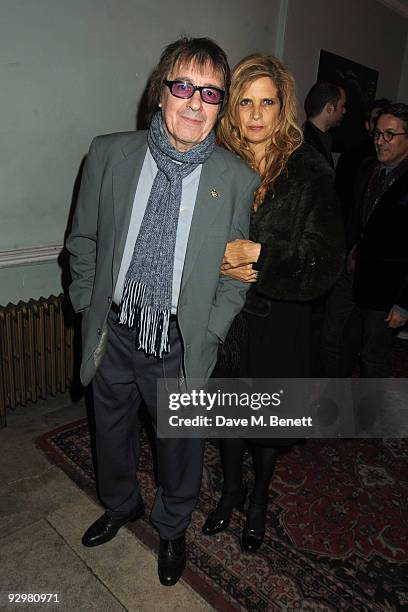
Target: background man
(154, 214)
(325, 106)
(351, 169)
(378, 289)
(373, 111)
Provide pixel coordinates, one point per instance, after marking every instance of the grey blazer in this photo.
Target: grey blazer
(207, 302)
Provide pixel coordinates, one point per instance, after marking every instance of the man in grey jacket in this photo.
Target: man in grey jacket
(155, 212)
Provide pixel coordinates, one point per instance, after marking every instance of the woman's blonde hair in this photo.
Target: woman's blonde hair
(288, 135)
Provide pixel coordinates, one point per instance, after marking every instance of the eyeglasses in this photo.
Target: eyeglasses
(186, 90)
(387, 135)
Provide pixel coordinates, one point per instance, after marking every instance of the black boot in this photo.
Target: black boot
(234, 490)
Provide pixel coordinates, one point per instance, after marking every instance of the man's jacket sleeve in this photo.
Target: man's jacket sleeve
(81, 242)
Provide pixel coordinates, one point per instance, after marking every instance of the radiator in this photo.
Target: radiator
(36, 352)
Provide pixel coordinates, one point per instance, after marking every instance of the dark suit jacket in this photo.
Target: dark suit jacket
(381, 272)
(312, 137)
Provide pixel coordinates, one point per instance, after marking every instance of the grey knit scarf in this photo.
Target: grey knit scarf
(146, 299)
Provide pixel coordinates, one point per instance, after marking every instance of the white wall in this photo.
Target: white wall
(364, 31)
(72, 69)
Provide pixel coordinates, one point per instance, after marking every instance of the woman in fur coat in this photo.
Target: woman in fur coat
(294, 255)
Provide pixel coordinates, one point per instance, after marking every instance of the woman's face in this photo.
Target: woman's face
(259, 110)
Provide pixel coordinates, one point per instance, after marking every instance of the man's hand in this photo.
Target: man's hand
(240, 253)
(245, 274)
(395, 319)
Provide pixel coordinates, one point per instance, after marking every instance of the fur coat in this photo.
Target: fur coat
(300, 228)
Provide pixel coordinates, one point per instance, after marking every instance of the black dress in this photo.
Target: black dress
(277, 345)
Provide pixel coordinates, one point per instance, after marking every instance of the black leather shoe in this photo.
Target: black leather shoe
(254, 529)
(106, 527)
(172, 560)
(219, 519)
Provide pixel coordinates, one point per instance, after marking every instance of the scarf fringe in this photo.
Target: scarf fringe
(152, 326)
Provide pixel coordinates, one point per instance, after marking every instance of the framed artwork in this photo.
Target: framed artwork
(360, 85)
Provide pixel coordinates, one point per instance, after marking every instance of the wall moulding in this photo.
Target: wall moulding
(29, 256)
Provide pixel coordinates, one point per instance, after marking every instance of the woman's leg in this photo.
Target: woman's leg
(232, 454)
(233, 489)
(264, 459)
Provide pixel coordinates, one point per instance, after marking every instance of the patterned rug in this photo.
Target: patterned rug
(337, 536)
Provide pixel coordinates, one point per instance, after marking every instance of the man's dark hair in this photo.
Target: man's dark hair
(202, 52)
(321, 93)
(379, 104)
(398, 110)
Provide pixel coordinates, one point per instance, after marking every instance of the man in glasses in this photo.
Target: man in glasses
(376, 287)
(381, 271)
(154, 214)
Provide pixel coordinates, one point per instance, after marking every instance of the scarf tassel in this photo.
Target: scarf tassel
(152, 326)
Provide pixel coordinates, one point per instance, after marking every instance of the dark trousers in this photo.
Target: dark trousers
(125, 378)
(349, 330)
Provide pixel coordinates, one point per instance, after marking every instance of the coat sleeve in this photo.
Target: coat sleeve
(230, 296)
(81, 242)
(307, 261)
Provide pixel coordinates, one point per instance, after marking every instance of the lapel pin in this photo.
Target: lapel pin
(214, 193)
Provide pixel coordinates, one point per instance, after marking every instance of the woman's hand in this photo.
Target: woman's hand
(395, 319)
(240, 253)
(245, 273)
